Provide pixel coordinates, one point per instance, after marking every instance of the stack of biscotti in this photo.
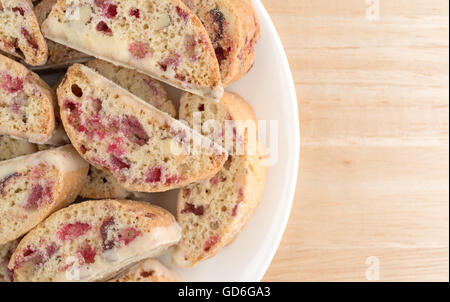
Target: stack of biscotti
(93, 241)
(213, 212)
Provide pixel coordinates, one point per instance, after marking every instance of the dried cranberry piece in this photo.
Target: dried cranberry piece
(221, 54)
(190, 208)
(83, 150)
(135, 12)
(18, 10)
(182, 13)
(34, 200)
(105, 228)
(11, 84)
(116, 147)
(128, 235)
(171, 60)
(29, 38)
(110, 11)
(73, 230)
(139, 49)
(214, 180)
(153, 175)
(77, 91)
(212, 241)
(103, 27)
(100, 3)
(201, 107)
(119, 164)
(87, 253)
(172, 179)
(133, 130)
(145, 274)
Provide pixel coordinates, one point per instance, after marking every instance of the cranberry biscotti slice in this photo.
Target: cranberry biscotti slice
(20, 34)
(34, 186)
(213, 212)
(59, 56)
(6, 251)
(11, 147)
(26, 103)
(161, 38)
(94, 241)
(234, 30)
(143, 148)
(149, 270)
(101, 185)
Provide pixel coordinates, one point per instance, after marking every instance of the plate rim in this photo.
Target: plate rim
(283, 219)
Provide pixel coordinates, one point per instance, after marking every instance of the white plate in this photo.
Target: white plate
(269, 88)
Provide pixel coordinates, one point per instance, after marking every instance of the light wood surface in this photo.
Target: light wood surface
(374, 110)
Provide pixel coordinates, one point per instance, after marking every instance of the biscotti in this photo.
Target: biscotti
(143, 148)
(213, 212)
(161, 38)
(149, 270)
(20, 34)
(101, 185)
(26, 103)
(6, 251)
(93, 241)
(59, 56)
(234, 30)
(11, 147)
(34, 186)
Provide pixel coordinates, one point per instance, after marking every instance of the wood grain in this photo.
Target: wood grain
(374, 110)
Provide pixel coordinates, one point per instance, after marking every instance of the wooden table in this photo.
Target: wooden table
(372, 199)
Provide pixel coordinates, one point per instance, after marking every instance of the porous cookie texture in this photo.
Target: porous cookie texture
(233, 29)
(20, 34)
(34, 186)
(149, 270)
(213, 212)
(101, 185)
(93, 241)
(11, 147)
(6, 251)
(59, 56)
(26, 103)
(143, 148)
(161, 38)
